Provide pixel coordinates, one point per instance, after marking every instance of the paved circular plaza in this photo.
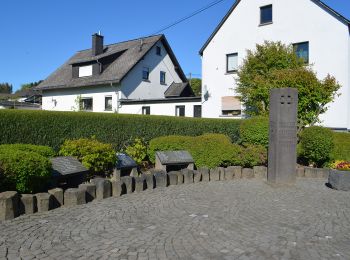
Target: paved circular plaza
(244, 219)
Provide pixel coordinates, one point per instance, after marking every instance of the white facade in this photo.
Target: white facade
(132, 87)
(294, 21)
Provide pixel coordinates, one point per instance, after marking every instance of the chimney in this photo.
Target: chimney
(97, 44)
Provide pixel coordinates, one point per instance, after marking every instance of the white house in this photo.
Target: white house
(319, 34)
(139, 76)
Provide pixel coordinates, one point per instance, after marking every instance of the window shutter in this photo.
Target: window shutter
(230, 103)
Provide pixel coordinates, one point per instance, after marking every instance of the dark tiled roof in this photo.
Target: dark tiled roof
(175, 89)
(318, 2)
(128, 55)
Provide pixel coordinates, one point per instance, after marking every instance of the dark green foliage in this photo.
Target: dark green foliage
(255, 130)
(53, 128)
(94, 155)
(341, 149)
(316, 145)
(5, 88)
(29, 85)
(42, 150)
(26, 172)
(196, 85)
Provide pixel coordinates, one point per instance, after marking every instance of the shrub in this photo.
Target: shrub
(255, 130)
(24, 171)
(341, 165)
(137, 150)
(94, 155)
(316, 145)
(341, 149)
(253, 155)
(53, 128)
(42, 150)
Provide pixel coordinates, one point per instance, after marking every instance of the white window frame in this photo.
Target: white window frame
(85, 71)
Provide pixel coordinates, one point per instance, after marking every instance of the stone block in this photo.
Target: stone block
(90, 191)
(172, 178)
(197, 176)
(180, 178)
(27, 204)
(161, 179)
(116, 188)
(103, 188)
(150, 181)
(57, 198)
(310, 172)
(205, 174)
(188, 176)
(300, 172)
(260, 172)
(217, 174)
(74, 197)
(233, 172)
(339, 180)
(247, 173)
(140, 183)
(9, 205)
(43, 201)
(238, 172)
(127, 184)
(323, 173)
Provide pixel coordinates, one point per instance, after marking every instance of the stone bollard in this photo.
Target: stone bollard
(197, 176)
(237, 172)
(103, 188)
(300, 172)
(27, 204)
(161, 179)
(43, 201)
(180, 178)
(116, 188)
(9, 205)
(172, 178)
(150, 181)
(205, 174)
(127, 184)
(323, 173)
(310, 172)
(74, 197)
(188, 176)
(215, 174)
(90, 191)
(260, 172)
(229, 173)
(140, 184)
(57, 198)
(247, 173)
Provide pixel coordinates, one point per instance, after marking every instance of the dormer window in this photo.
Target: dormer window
(85, 71)
(266, 15)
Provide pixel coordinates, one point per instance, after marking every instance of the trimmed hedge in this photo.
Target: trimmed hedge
(341, 149)
(53, 128)
(255, 130)
(45, 151)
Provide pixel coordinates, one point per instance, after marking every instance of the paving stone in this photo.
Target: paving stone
(233, 172)
(188, 176)
(180, 178)
(103, 188)
(310, 172)
(260, 172)
(9, 205)
(116, 188)
(140, 183)
(172, 178)
(323, 173)
(247, 173)
(150, 181)
(90, 191)
(161, 179)
(127, 184)
(57, 198)
(205, 174)
(43, 201)
(215, 174)
(300, 172)
(74, 197)
(197, 176)
(27, 204)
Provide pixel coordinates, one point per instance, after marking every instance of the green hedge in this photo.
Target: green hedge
(53, 128)
(39, 149)
(255, 130)
(341, 149)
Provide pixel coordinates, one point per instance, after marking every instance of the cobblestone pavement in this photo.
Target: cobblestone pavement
(245, 219)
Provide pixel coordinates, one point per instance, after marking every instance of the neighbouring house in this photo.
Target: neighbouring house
(26, 100)
(319, 34)
(139, 76)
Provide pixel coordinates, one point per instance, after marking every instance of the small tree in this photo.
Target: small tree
(196, 85)
(275, 65)
(5, 88)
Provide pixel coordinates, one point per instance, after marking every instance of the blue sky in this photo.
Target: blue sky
(37, 36)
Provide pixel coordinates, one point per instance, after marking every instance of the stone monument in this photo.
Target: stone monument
(174, 161)
(283, 136)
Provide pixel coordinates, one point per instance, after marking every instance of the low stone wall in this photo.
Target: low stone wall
(13, 204)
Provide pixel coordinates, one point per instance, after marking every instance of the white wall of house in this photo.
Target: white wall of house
(134, 87)
(294, 21)
(160, 109)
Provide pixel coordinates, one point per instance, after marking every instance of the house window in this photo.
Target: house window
(180, 110)
(145, 73)
(146, 110)
(231, 106)
(86, 104)
(231, 62)
(302, 51)
(108, 103)
(85, 71)
(159, 51)
(162, 77)
(266, 14)
(197, 111)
